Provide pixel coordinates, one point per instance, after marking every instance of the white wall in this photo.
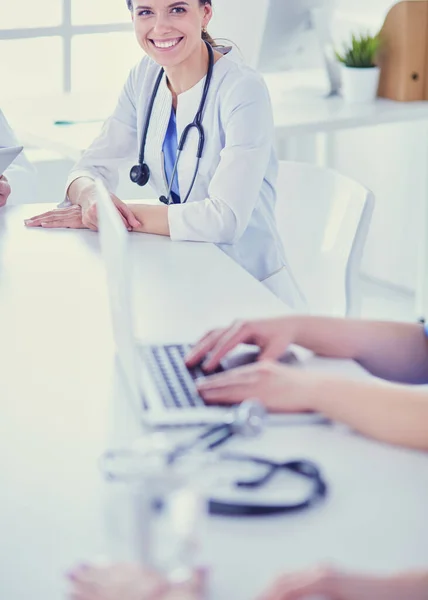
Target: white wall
(241, 21)
(393, 161)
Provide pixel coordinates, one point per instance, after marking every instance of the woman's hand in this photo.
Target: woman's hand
(90, 214)
(279, 388)
(75, 217)
(4, 190)
(69, 217)
(130, 582)
(273, 336)
(83, 192)
(335, 585)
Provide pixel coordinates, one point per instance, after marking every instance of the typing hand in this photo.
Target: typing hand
(4, 190)
(273, 336)
(278, 387)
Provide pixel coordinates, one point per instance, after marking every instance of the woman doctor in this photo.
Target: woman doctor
(222, 187)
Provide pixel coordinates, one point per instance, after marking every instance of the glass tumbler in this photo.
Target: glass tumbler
(155, 507)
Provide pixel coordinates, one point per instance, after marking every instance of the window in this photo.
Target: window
(20, 65)
(65, 45)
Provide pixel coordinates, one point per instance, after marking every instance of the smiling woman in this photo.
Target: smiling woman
(198, 125)
(205, 35)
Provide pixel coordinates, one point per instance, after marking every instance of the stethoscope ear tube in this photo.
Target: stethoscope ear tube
(140, 174)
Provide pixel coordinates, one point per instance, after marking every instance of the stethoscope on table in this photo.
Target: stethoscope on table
(246, 420)
(140, 174)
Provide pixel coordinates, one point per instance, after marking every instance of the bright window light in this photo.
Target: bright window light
(103, 61)
(31, 66)
(20, 14)
(98, 12)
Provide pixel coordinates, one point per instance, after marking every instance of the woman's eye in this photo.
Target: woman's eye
(178, 10)
(144, 13)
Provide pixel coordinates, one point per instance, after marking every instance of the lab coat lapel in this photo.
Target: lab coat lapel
(187, 107)
(156, 136)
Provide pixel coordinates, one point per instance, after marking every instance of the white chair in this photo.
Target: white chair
(323, 219)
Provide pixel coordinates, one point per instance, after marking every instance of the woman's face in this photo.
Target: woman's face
(170, 31)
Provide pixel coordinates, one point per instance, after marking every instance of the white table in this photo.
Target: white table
(58, 406)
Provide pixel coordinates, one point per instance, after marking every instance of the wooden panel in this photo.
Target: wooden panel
(403, 59)
(426, 62)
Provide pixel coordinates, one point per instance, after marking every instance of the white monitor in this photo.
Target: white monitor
(291, 37)
(278, 35)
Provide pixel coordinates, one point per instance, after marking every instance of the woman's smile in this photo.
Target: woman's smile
(163, 45)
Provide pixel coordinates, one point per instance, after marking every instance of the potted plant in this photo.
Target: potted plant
(360, 75)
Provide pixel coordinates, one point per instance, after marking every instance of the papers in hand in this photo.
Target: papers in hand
(7, 156)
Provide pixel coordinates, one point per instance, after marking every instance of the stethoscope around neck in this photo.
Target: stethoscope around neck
(140, 174)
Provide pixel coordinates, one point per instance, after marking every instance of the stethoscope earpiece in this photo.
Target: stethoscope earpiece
(140, 174)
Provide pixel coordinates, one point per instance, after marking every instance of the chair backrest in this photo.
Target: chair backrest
(323, 219)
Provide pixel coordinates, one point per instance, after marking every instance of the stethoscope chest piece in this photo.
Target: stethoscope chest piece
(140, 174)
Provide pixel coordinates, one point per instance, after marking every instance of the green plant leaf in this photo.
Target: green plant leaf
(360, 52)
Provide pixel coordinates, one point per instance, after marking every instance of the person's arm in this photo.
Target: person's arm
(393, 351)
(20, 174)
(152, 218)
(392, 413)
(340, 585)
(388, 412)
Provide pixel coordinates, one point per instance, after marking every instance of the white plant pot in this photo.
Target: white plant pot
(360, 85)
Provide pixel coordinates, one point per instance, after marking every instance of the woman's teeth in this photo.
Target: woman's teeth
(166, 44)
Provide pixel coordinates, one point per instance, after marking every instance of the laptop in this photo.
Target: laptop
(160, 387)
(7, 156)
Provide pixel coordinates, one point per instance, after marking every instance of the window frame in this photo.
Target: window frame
(66, 31)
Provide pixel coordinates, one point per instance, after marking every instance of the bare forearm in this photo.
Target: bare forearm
(396, 351)
(412, 585)
(153, 219)
(388, 412)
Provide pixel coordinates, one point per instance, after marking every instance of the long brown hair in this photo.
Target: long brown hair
(205, 35)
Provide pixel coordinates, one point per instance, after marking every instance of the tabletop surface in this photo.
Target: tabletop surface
(62, 406)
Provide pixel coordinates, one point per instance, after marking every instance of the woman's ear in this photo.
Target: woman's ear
(208, 14)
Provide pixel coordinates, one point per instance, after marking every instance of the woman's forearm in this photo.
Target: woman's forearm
(153, 219)
(391, 413)
(395, 351)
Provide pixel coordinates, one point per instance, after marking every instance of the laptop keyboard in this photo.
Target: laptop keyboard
(173, 379)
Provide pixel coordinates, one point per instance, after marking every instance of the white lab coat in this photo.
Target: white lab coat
(21, 174)
(233, 199)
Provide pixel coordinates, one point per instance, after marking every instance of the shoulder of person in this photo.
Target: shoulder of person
(240, 84)
(142, 74)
